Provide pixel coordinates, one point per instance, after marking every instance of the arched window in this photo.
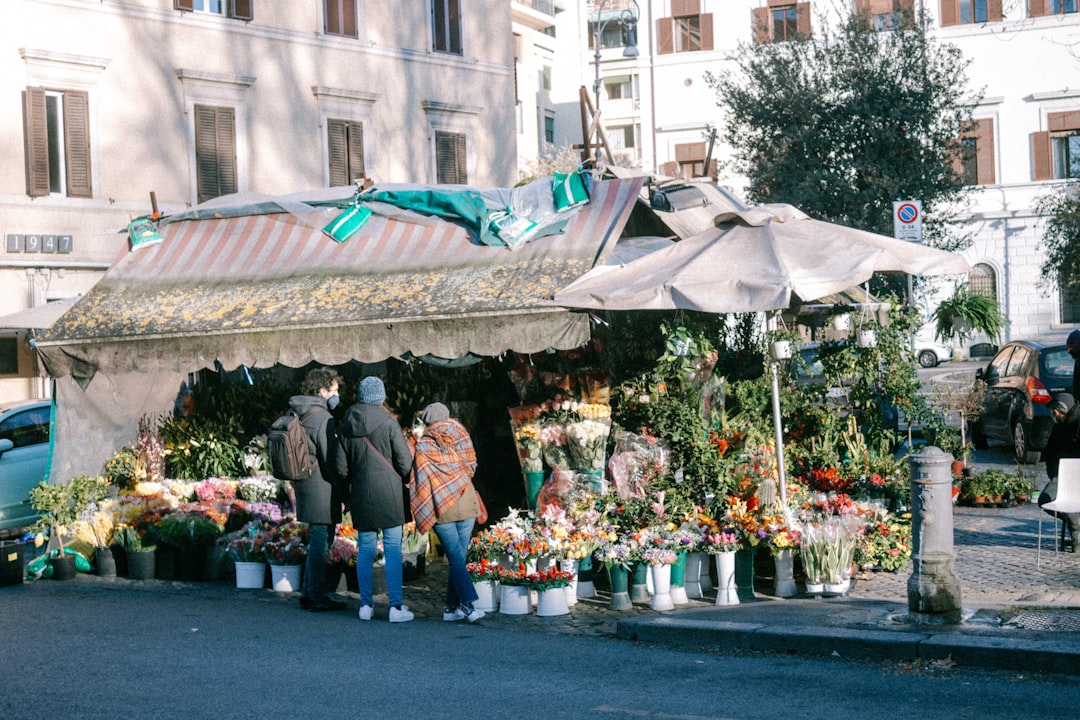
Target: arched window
(982, 280)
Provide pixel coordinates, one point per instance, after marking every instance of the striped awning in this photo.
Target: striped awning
(260, 284)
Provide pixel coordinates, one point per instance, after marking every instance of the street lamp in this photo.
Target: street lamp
(628, 19)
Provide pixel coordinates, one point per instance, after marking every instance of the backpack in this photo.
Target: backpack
(288, 446)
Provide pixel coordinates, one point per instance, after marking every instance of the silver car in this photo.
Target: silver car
(24, 460)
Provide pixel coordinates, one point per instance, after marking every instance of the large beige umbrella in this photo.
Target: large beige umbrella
(763, 258)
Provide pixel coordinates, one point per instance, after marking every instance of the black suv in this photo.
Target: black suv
(1021, 380)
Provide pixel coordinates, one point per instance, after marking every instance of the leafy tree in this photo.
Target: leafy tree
(844, 122)
(1061, 238)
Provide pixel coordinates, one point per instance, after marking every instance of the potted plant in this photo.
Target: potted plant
(248, 552)
(965, 312)
(286, 549)
(190, 535)
(550, 588)
(59, 507)
(138, 554)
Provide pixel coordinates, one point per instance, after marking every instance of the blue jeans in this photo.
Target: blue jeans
(312, 586)
(365, 564)
(454, 537)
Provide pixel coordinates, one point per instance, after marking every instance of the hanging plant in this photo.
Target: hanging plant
(964, 313)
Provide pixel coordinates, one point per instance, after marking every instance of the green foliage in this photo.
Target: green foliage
(125, 468)
(247, 409)
(199, 447)
(60, 505)
(964, 311)
(843, 123)
(181, 530)
(1061, 235)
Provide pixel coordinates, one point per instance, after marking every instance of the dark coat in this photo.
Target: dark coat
(1064, 441)
(376, 490)
(319, 498)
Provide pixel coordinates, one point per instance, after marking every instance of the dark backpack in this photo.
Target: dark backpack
(288, 446)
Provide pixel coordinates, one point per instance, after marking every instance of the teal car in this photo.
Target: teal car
(24, 460)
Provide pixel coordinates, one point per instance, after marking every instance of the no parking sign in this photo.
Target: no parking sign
(907, 220)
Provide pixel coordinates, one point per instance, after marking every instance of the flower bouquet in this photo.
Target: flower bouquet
(250, 545)
(658, 555)
(484, 571)
(286, 544)
(344, 549)
(636, 462)
(548, 579)
(198, 529)
(587, 443)
(262, 489)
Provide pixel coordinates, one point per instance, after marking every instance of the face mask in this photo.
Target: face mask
(332, 401)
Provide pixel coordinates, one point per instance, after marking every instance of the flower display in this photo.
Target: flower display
(658, 555)
(286, 544)
(548, 579)
(587, 441)
(554, 445)
(213, 489)
(250, 545)
(527, 439)
(483, 570)
(344, 549)
(719, 540)
(885, 543)
(262, 489)
(637, 462)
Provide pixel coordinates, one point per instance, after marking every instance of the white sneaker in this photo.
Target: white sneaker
(402, 615)
(475, 615)
(453, 616)
(366, 611)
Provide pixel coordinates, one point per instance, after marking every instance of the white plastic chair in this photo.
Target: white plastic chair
(1067, 500)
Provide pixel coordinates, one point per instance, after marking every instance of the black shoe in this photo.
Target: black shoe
(304, 602)
(327, 605)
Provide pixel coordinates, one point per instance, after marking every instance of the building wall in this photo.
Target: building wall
(145, 65)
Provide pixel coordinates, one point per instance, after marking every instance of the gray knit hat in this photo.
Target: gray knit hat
(1063, 403)
(372, 391)
(435, 412)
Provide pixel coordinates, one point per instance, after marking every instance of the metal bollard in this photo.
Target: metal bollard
(933, 590)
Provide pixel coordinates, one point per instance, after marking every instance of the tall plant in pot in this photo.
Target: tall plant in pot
(60, 506)
(965, 312)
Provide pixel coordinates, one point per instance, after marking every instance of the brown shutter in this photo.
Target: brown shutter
(995, 11)
(862, 6)
(337, 134)
(243, 9)
(670, 169)
(984, 151)
(1037, 8)
(1063, 121)
(450, 159)
(665, 36)
(77, 143)
(760, 25)
(36, 134)
(802, 19)
(714, 169)
(950, 13)
(685, 8)
(215, 152)
(348, 18)
(690, 152)
(1042, 164)
(705, 24)
(356, 152)
(188, 5)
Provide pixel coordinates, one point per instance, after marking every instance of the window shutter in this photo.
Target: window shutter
(950, 13)
(1037, 8)
(995, 11)
(1063, 121)
(454, 15)
(341, 17)
(459, 148)
(670, 169)
(226, 147)
(215, 152)
(802, 19)
(690, 152)
(356, 152)
(1042, 164)
(685, 8)
(243, 9)
(337, 133)
(705, 24)
(36, 133)
(665, 36)
(760, 22)
(77, 143)
(450, 159)
(862, 6)
(984, 151)
(188, 5)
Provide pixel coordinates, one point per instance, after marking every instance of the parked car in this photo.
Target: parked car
(24, 460)
(930, 353)
(1021, 380)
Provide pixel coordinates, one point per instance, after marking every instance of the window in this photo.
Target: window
(1056, 151)
(888, 14)
(446, 26)
(236, 9)
(29, 427)
(549, 127)
(967, 12)
(340, 17)
(613, 35)
(1069, 298)
(982, 280)
(215, 151)
(781, 21)
(346, 151)
(9, 355)
(545, 78)
(1042, 8)
(687, 30)
(450, 158)
(57, 134)
(691, 159)
(619, 87)
(976, 161)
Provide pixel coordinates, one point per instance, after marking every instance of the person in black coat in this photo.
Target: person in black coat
(379, 461)
(318, 498)
(1072, 344)
(1064, 442)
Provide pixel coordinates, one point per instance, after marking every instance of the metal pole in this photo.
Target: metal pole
(779, 430)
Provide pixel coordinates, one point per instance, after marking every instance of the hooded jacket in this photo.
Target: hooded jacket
(376, 484)
(318, 498)
(1064, 440)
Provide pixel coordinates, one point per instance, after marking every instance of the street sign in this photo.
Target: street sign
(907, 220)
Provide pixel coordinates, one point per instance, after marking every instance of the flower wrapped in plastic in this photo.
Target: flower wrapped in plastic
(587, 441)
(637, 462)
(658, 555)
(345, 548)
(554, 444)
(286, 543)
(250, 544)
(525, 426)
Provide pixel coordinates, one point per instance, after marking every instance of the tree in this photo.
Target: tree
(843, 123)
(1061, 238)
